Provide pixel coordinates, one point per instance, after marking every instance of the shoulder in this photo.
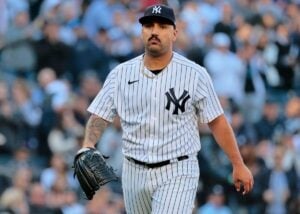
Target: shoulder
(190, 66)
(123, 68)
(130, 64)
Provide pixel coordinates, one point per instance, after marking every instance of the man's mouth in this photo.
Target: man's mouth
(154, 41)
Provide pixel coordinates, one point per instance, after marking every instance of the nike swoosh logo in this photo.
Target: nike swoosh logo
(131, 82)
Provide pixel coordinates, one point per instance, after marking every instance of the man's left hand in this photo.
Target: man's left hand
(243, 179)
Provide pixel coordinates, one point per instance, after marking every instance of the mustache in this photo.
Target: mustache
(154, 37)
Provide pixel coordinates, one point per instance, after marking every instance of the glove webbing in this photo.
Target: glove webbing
(89, 186)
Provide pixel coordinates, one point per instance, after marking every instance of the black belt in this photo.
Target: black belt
(155, 165)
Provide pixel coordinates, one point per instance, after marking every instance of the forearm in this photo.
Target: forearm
(93, 131)
(225, 138)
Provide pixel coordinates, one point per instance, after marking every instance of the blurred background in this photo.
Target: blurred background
(55, 55)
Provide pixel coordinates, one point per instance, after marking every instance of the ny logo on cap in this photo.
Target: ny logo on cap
(156, 9)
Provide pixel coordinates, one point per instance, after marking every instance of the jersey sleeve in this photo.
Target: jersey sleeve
(103, 104)
(207, 104)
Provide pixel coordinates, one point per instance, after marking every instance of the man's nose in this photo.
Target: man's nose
(155, 29)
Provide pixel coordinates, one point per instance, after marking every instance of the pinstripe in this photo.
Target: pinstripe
(161, 194)
(137, 197)
(158, 125)
(125, 184)
(188, 184)
(135, 201)
(179, 187)
(131, 181)
(146, 200)
(145, 196)
(172, 206)
(174, 187)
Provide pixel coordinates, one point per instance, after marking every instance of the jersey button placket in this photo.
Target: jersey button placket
(154, 105)
(155, 99)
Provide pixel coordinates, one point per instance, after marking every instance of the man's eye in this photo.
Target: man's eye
(163, 25)
(148, 25)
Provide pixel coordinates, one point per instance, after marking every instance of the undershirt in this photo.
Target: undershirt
(156, 71)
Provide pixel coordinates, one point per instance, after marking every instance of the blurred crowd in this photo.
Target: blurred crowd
(55, 55)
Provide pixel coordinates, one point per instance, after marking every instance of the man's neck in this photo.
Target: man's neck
(157, 63)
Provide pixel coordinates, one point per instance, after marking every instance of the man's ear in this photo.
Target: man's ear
(175, 34)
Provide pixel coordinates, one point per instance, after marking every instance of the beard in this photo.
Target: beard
(154, 46)
(154, 51)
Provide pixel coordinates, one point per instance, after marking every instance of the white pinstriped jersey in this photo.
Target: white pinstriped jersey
(158, 112)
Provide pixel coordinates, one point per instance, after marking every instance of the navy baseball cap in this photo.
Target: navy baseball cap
(160, 12)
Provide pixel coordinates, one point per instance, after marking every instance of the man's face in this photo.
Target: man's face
(158, 37)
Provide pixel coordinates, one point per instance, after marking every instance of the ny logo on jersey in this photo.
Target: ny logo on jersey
(179, 103)
(156, 9)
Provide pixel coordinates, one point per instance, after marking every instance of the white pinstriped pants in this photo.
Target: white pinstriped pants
(164, 190)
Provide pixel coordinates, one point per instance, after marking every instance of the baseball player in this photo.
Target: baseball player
(159, 96)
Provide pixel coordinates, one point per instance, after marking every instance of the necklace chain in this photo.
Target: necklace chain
(143, 71)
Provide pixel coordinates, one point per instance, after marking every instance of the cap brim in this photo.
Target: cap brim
(148, 19)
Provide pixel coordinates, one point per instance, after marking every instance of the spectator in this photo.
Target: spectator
(110, 144)
(292, 115)
(27, 112)
(214, 164)
(215, 202)
(15, 6)
(228, 80)
(18, 56)
(79, 105)
(69, 12)
(23, 158)
(210, 10)
(52, 95)
(286, 60)
(57, 193)
(72, 205)
(100, 200)
(4, 182)
(88, 56)
(254, 86)
(38, 202)
(55, 87)
(103, 40)
(290, 164)
(90, 84)
(270, 126)
(292, 142)
(10, 128)
(244, 9)
(25, 108)
(51, 52)
(105, 201)
(22, 178)
(267, 6)
(58, 168)
(13, 201)
(3, 20)
(193, 21)
(253, 202)
(243, 130)
(63, 138)
(279, 189)
(226, 24)
(93, 20)
(49, 8)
